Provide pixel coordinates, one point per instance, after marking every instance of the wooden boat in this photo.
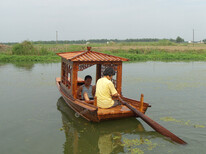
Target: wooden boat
(69, 82)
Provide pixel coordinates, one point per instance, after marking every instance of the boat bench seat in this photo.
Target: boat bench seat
(90, 102)
(120, 109)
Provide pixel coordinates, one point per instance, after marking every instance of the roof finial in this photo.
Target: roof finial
(89, 48)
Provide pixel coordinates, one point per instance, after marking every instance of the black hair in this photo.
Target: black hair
(109, 71)
(87, 77)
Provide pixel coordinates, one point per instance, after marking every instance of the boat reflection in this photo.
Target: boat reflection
(105, 137)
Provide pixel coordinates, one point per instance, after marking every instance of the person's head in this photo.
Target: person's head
(87, 80)
(109, 71)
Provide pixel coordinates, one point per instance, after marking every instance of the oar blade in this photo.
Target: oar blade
(157, 127)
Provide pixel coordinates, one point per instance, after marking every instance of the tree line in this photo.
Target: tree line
(94, 41)
(101, 41)
(177, 40)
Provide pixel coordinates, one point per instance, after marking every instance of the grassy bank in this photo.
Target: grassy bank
(28, 58)
(159, 55)
(135, 51)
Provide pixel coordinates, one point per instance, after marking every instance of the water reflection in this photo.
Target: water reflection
(105, 137)
(25, 65)
(2, 64)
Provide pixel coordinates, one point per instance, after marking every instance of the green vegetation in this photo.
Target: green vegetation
(182, 122)
(138, 145)
(27, 48)
(156, 55)
(28, 58)
(159, 50)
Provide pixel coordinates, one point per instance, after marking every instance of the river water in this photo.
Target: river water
(35, 119)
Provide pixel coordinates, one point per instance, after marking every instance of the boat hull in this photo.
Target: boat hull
(95, 114)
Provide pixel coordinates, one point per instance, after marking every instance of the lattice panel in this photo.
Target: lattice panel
(84, 66)
(69, 70)
(66, 72)
(63, 73)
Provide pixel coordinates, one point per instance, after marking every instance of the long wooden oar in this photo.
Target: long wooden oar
(154, 124)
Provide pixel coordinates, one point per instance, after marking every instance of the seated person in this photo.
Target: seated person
(105, 90)
(86, 91)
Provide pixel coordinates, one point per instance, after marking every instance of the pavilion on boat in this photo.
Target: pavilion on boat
(72, 62)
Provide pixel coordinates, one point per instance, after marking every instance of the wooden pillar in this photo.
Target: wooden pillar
(141, 103)
(74, 79)
(98, 72)
(119, 78)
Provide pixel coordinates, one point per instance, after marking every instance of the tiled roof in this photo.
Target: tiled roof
(89, 56)
(69, 55)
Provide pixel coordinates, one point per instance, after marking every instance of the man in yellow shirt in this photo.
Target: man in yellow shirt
(105, 90)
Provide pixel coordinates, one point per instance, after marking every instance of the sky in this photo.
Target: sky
(36, 20)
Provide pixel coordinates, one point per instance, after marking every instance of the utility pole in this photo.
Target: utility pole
(56, 37)
(193, 37)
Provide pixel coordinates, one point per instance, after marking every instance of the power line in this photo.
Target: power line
(56, 37)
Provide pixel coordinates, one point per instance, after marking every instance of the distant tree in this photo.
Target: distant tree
(204, 41)
(179, 40)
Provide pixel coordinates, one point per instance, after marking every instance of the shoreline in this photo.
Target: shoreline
(134, 52)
